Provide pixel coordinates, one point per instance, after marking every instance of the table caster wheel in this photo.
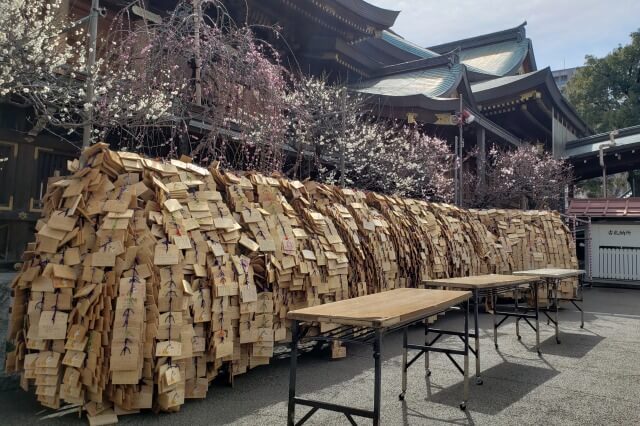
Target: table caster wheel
(539, 353)
(401, 396)
(558, 341)
(519, 337)
(496, 346)
(582, 326)
(479, 381)
(463, 406)
(428, 373)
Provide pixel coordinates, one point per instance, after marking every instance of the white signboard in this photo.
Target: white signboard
(615, 251)
(621, 235)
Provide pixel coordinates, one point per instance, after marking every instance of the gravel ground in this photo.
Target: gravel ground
(592, 377)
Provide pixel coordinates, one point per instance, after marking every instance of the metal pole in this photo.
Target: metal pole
(611, 143)
(460, 146)
(553, 132)
(456, 192)
(343, 107)
(91, 61)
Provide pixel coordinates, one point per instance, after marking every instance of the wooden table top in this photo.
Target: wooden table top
(380, 310)
(482, 281)
(552, 272)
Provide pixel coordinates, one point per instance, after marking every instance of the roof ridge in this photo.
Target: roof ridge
(517, 33)
(388, 34)
(416, 65)
(622, 132)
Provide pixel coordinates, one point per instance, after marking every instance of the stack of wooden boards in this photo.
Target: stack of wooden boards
(532, 240)
(148, 279)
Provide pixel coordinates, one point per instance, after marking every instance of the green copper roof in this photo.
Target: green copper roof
(591, 144)
(498, 59)
(497, 82)
(407, 46)
(585, 150)
(432, 83)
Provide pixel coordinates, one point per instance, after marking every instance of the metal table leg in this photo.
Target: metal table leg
(537, 308)
(574, 303)
(581, 314)
(476, 297)
(429, 346)
(517, 309)
(377, 387)
(555, 297)
(463, 405)
(426, 342)
(291, 414)
(405, 332)
(494, 301)
(581, 298)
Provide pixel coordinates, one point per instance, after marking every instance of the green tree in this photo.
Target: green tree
(606, 91)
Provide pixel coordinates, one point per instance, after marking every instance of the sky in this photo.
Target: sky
(562, 31)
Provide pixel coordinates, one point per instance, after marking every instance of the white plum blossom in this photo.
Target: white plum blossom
(338, 129)
(43, 65)
(244, 110)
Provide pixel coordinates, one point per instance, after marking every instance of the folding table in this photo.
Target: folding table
(366, 320)
(490, 285)
(553, 276)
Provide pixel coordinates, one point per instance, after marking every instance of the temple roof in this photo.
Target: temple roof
(499, 59)
(483, 89)
(500, 53)
(589, 146)
(518, 32)
(584, 153)
(516, 85)
(300, 20)
(357, 14)
(433, 82)
(389, 48)
(430, 84)
(384, 17)
(401, 43)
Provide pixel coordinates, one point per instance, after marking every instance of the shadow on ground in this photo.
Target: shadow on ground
(571, 345)
(504, 384)
(410, 415)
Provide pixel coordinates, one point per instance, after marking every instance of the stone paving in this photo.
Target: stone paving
(592, 377)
